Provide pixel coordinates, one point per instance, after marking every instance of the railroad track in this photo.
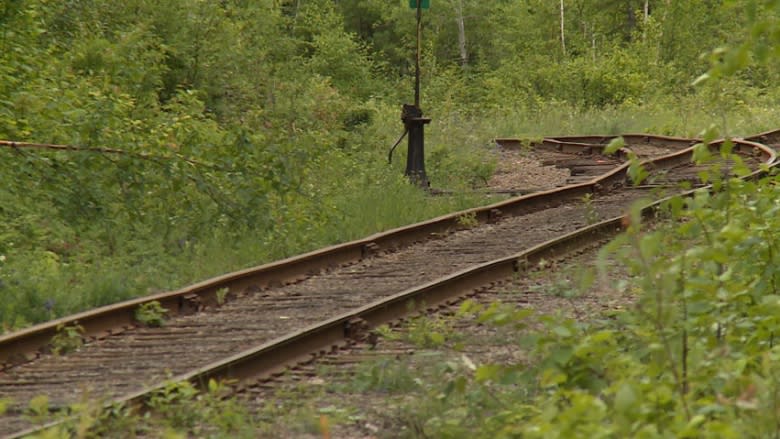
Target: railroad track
(236, 324)
(544, 166)
(366, 374)
(768, 138)
(589, 160)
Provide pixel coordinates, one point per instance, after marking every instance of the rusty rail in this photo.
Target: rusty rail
(26, 344)
(303, 345)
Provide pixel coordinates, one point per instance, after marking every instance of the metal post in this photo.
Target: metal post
(415, 158)
(417, 56)
(414, 122)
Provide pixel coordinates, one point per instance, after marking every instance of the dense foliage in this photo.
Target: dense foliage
(211, 135)
(694, 355)
(230, 133)
(238, 132)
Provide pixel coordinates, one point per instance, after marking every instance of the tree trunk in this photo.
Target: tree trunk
(630, 20)
(464, 56)
(563, 34)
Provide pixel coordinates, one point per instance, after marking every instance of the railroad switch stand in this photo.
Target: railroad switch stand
(411, 116)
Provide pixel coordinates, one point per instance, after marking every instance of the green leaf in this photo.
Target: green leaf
(602, 336)
(4, 403)
(487, 372)
(437, 338)
(637, 172)
(701, 153)
(469, 306)
(772, 299)
(625, 398)
(213, 386)
(708, 135)
(614, 145)
(649, 245)
(696, 421)
(562, 331)
(561, 355)
(726, 148)
(39, 405)
(552, 377)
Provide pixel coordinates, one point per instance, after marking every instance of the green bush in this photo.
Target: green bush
(694, 356)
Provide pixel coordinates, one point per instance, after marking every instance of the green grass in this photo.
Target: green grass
(349, 193)
(686, 116)
(39, 285)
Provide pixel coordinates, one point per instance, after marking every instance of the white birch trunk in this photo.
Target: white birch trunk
(563, 34)
(464, 55)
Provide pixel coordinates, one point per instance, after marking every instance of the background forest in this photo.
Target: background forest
(212, 135)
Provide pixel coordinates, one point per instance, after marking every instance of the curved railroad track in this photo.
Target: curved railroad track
(235, 324)
(366, 378)
(590, 161)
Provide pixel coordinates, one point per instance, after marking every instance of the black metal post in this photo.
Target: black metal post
(414, 122)
(417, 56)
(415, 158)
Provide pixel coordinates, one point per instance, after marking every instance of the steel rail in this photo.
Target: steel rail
(27, 344)
(630, 138)
(567, 143)
(771, 137)
(299, 347)
(304, 345)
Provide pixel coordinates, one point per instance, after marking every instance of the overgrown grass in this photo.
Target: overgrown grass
(679, 116)
(41, 285)
(694, 356)
(179, 410)
(349, 193)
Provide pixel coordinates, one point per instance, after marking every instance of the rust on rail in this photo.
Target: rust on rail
(25, 345)
(276, 355)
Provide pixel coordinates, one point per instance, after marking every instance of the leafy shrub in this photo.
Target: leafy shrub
(151, 314)
(695, 356)
(67, 339)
